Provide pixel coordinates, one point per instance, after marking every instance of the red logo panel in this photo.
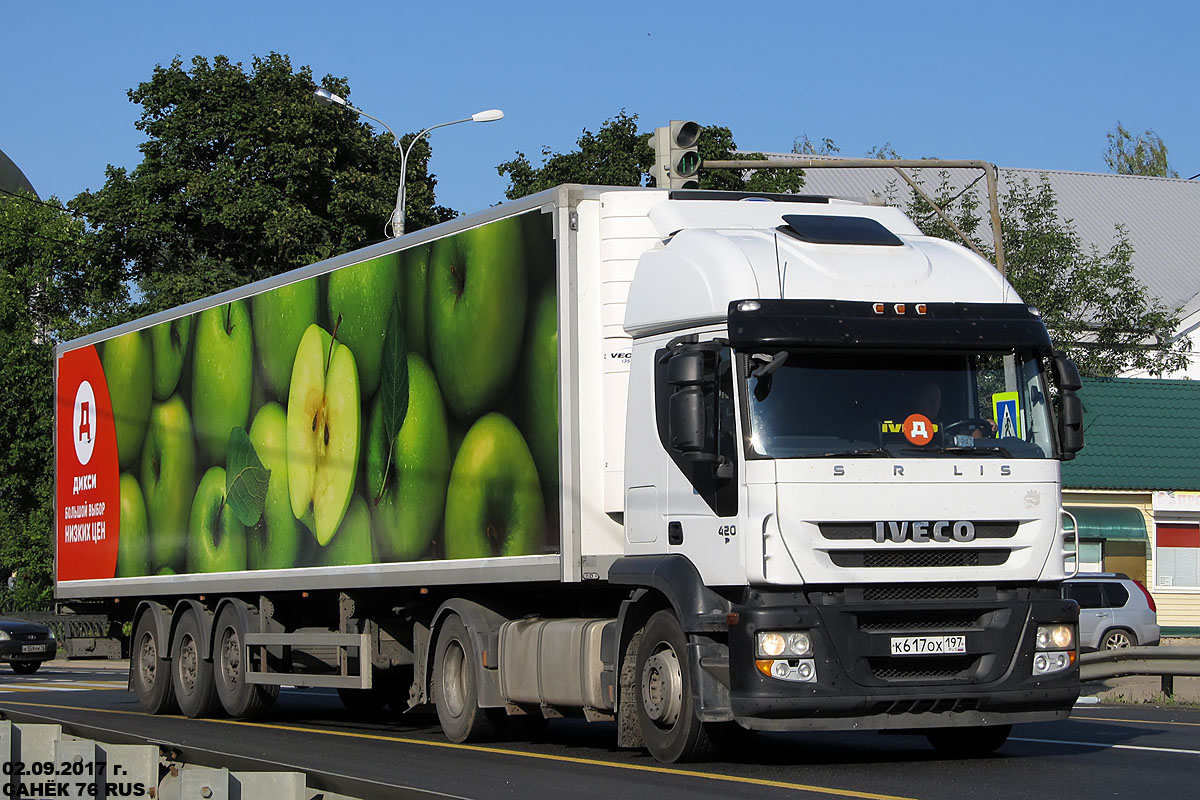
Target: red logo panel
(87, 479)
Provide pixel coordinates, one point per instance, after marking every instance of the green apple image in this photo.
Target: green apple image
(133, 539)
(360, 300)
(168, 347)
(168, 474)
(540, 379)
(352, 542)
(476, 308)
(222, 370)
(216, 540)
(414, 272)
(494, 503)
(281, 316)
(274, 543)
(127, 370)
(323, 430)
(408, 504)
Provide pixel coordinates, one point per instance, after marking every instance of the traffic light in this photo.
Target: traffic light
(676, 160)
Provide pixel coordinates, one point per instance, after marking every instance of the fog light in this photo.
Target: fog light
(797, 670)
(1047, 663)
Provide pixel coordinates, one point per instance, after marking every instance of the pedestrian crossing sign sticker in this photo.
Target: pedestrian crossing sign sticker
(1006, 411)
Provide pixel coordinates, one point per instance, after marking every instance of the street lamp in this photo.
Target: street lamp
(327, 98)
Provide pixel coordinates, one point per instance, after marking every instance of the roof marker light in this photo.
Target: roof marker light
(878, 308)
(922, 309)
(899, 308)
(749, 305)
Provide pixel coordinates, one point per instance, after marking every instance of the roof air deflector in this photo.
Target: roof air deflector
(822, 229)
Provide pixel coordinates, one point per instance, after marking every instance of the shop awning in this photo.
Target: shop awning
(1112, 523)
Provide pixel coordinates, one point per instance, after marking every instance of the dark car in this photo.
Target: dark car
(25, 645)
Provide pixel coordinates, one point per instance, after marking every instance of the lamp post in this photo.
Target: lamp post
(327, 98)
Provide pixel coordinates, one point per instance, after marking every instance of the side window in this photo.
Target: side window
(713, 480)
(1088, 595)
(1115, 595)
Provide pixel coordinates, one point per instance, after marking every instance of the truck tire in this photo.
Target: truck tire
(149, 673)
(973, 742)
(455, 689)
(665, 706)
(192, 676)
(25, 667)
(240, 699)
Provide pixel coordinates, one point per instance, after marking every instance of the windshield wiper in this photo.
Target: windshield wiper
(876, 452)
(990, 449)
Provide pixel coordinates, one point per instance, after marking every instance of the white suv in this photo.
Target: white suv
(1114, 611)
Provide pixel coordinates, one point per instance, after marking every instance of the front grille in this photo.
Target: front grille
(918, 559)
(960, 622)
(28, 637)
(846, 531)
(922, 669)
(918, 593)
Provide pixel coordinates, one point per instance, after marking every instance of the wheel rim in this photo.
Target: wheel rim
(147, 659)
(454, 680)
(1117, 641)
(662, 686)
(189, 660)
(231, 658)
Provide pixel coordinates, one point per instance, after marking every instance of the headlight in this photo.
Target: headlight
(793, 644)
(50, 633)
(1055, 637)
(4, 637)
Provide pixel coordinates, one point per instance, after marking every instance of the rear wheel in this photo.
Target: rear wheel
(1118, 639)
(455, 688)
(239, 699)
(191, 675)
(969, 742)
(150, 674)
(25, 667)
(666, 711)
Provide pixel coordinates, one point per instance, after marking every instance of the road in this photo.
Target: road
(1102, 750)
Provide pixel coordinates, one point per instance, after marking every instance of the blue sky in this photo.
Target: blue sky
(1022, 84)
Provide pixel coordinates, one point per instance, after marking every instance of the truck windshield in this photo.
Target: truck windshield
(810, 404)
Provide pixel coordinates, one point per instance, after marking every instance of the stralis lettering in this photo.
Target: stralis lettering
(940, 531)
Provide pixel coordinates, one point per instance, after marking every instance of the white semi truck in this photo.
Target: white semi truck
(694, 462)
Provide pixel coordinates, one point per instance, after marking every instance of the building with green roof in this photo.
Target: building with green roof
(1135, 489)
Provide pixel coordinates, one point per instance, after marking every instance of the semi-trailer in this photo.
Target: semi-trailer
(694, 462)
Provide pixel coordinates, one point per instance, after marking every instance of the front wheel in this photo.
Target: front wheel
(25, 667)
(969, 742)
(455, 685)
(665, 707)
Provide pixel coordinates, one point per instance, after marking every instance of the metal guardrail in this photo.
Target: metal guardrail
(1165, 662)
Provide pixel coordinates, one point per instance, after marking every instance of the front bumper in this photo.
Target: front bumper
(861, 685)
(32, 650)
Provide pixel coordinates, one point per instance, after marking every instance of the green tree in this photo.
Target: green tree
(1144, 155)
(1092, 302)
(49, 291)
(618, 155)
(243, 176)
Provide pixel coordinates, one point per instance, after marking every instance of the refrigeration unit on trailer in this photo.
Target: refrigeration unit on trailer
(694, 462)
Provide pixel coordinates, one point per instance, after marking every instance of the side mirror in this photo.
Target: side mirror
(1066, 374)
(1070, 423)
(686, 415)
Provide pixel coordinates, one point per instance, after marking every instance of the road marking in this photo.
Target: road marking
(713, 776)
(48, 687)
(1137, 721)
(1109, 745)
